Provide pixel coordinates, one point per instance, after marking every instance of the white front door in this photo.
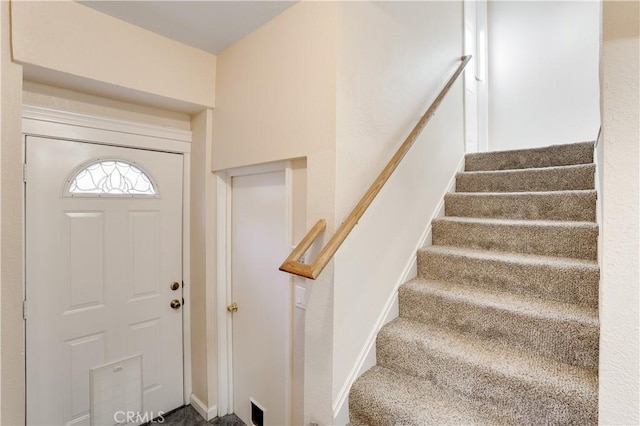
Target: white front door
(262, 323)
(102, 253)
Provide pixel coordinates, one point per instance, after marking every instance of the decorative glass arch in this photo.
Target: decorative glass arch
(110, 177)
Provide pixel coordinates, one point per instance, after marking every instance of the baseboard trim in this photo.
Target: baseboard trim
(409, 271)
(206, 413)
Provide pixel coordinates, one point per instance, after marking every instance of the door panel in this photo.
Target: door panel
(262, 324)
(83, 242)
(144, 257)
(98, 278)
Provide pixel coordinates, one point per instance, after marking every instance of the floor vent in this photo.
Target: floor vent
(257, 414)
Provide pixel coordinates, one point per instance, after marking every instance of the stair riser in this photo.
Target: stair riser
(574, 178)
(574, 207)
(487, 387)
(577, 285)
(559, 155)
(566, 341)
(561, 241)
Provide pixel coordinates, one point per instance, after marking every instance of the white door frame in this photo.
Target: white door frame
(476, 72)
(58, 124)
(482, 71)
(470, 76)
(225, 332)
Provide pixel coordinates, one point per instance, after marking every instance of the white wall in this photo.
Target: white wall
(543, 72)
(619, 285)
(393, 58)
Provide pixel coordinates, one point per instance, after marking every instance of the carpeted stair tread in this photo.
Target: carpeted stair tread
(525, 258)
(545, 277)
(570, 239)
(529, 387)
(520, 304)
(501, 221)
(561, 331)
(488, 356)
(574, 205)
(555, 155)
(383, 397)
(560, 178)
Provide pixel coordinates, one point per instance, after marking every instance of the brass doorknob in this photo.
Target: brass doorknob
(175, 304)
(232, 307)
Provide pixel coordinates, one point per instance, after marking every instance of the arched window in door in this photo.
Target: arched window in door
(110, 177)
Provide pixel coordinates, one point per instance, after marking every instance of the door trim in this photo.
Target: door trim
(58, 124)
(54, 123)
(225, 346)
(476, 11)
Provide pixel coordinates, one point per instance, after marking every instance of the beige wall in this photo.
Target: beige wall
(63, 39)
(276, 100)
(70, 100)
(203, 254)
(11, 245)
(543, 72)
(276, 90)
(393, 58)
(619, 285)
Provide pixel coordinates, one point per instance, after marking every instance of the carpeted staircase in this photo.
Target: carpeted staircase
(501, 324)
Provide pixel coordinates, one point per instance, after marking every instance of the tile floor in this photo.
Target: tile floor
(188, 416)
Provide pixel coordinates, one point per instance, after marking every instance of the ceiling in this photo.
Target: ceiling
(207, 25)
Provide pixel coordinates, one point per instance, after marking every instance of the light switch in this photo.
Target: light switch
(301, 297)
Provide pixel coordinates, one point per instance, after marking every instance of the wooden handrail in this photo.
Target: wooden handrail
(293, 265)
